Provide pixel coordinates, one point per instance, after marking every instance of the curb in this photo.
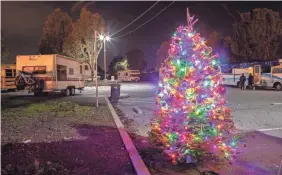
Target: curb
(136, 160)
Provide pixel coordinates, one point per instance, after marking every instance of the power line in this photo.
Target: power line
(136, 18)
(146, 21)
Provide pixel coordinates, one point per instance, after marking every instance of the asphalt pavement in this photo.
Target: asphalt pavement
(256, 113)
(252, 110)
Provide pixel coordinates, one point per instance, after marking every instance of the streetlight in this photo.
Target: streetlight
(104, 39)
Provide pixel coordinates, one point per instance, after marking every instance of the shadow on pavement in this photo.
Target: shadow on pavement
(98, 151)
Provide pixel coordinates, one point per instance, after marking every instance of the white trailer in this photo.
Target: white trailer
(50, 73)
(233, 78)
(129, 75)
(266, 76)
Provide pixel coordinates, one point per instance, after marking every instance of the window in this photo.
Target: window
(86, 67)
(134, 75)
(9, 73)
(135, 71)
(126, 74)
(35, 69)
(277, 70)
(71, 72)
(265, 69)
(80, 69)
(61, 73)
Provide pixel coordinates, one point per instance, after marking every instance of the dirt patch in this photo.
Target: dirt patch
(61, 137)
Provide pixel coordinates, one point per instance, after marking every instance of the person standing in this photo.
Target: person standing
(242, 81)
(250, 81)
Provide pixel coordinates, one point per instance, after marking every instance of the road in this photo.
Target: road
(251, 110)
(257, 114)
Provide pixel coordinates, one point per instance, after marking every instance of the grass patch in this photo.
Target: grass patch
(61, 108)
(50, 120)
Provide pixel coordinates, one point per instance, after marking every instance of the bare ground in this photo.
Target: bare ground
(60, 136)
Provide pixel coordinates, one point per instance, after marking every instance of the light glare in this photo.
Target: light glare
(108, 38)
(101, 37)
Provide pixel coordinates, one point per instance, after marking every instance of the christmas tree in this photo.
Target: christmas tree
(192, 117)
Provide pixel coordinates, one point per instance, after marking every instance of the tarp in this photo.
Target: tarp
(265, 63)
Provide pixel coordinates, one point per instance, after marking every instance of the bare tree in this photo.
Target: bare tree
(80, 42)
(256, 36)
(135, 58)
(162, 53)
(214, 40)
(54, 32)
(4, 50)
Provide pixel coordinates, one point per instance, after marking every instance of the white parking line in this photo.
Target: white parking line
(270, 129)
(276, 103)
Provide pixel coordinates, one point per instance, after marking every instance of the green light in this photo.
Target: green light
(233, 143)
(214, 62)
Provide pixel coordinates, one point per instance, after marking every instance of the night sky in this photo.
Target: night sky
(21, 22)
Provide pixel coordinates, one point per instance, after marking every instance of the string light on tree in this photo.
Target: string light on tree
(192, 118)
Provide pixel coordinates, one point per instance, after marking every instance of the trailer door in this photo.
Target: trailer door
(257, 74)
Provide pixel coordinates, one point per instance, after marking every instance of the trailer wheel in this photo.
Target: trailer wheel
(72, 91)
(41, 84)
(67, 92)
(278, 86)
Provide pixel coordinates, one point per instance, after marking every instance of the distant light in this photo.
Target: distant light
(107, 38)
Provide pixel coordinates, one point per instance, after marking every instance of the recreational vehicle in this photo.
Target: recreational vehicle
(269, 76)
(129, 75)
(233, 78)
(49, 73)
(264, 76)
(8, 77)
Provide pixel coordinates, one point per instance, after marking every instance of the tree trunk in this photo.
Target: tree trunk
(92, 69)
(92, 76)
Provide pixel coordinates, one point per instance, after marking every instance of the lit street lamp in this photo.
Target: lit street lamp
(102, 38)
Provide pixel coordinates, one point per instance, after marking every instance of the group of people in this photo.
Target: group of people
(243, 80)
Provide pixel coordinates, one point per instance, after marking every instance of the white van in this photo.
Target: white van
(129, 75)
(233, 78)
(267, 76)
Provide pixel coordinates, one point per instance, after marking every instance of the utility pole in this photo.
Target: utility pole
(105, 67)
(96, 68)
(188, 15)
